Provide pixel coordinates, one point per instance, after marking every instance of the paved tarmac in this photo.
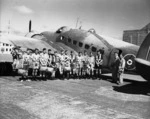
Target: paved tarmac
(73, 99)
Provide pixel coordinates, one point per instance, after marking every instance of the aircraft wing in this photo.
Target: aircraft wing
(24, 42)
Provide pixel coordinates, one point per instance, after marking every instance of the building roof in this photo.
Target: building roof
(146, 27)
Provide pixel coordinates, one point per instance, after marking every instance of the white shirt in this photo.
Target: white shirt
(35, 57)
(92, 59)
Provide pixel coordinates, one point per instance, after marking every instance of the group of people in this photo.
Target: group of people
(45, 64)
(35, 64)
(118, 67)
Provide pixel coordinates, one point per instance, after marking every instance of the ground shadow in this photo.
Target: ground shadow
(134, 88)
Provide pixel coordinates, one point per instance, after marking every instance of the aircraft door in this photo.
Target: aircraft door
(111, 57)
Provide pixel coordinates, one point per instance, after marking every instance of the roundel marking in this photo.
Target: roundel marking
(130, 61)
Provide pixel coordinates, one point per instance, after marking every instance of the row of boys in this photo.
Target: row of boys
(64, 65)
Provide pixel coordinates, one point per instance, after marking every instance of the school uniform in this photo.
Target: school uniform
(66, 66)
(35, 58)
(50, 67)
(25, 61)
(22, 67)
(72, 64)
(91, 62)
(43, 61)
(30, 61)
(85, 62)
(98, 62)
(79, 62)
(98, 65)
(57, 63)
(61, 65)
(79, 65)
(15, 57)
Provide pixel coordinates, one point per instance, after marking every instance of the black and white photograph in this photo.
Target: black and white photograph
(74, 59)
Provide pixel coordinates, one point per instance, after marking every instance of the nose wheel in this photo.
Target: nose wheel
(130, 61)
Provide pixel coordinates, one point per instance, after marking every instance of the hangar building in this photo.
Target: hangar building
(136, 36)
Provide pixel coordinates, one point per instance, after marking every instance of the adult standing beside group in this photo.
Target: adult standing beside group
(115, 67)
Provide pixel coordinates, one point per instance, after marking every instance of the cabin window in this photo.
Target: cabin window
(74, 42)
(87, 46)
(62, 38)
(3, 44)
(7, 45)
(6, 49)
(80, 44)
(9, 49)
(94, 49)
(69, 40)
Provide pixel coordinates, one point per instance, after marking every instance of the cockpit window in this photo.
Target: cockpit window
(87, 46)
(80, 44)
(94, 49)
(69, 40)
(74, 42)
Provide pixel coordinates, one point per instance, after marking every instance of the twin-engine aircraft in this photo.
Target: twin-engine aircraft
(82, 40)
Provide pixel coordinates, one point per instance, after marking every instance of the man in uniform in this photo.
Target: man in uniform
(115, 68)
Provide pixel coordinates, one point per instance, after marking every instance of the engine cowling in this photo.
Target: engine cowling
(130, 62)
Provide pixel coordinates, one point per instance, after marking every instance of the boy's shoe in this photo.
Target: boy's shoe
(21, 80)
(29, 80)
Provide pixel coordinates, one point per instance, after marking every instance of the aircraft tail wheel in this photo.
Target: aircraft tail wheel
(130, 61)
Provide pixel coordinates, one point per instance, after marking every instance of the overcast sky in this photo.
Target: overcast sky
(107, 17)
